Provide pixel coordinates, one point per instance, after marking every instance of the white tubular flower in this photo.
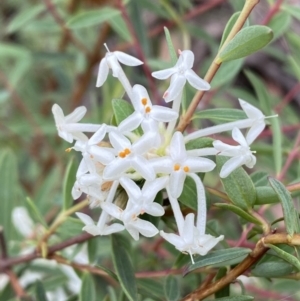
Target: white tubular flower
(64, 124)
(92, 229)
(179, 164)
(181, 73)
(241, 154)
(143, 200)
(145, 113)
(130, 156)
(132, 223)
(190, 240)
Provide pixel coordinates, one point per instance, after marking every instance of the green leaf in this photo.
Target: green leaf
(235, 298)
(108, 271)
(9, 191)
(123, 266)
(122, 109)
(240, 212)
(171, 288)
(226, 73)
(260, 178)
(246, 42)
(277, 143)
(69, 179)
(198, 143)
(40, 291)
(272, 269)
(188, 196)
(290, 214)
(266, 195)
(285, 256)
(119, 26)
(218, 258)
(280, 23)
(88, 289)
(221, 114)
(35, 213)
(92, 17)
(229, 26)
(171, 48)
(153, 287)
(238, 186)
(92, 248)
(293, 10)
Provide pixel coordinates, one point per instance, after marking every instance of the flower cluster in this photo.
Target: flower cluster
(118, 160)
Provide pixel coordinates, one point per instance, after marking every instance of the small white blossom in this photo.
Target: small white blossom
(241, 154)
(146, 114)
(179, 164)
(181, 73)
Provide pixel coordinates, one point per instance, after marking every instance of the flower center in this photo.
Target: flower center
(144, 101)
(147, 110)
(124, 153)
(177, 167)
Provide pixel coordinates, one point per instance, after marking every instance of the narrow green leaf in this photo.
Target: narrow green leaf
(286, 256)
(218, 257)
(221, 114)
(290, 214)
(246, 42)
(69, 180)
(266, 195)
(229, 26)
(122, 109)
(171, 48)
(40, 291)
(153, 287)
(108, 271)
(119, 26)
(272, 269)
(235, 298)
(92, 17)
(123, 266)
(280, 23)
(199, 143)
(260, 178)
(238, 186)
(92, 248)
(88, 289)
(35, 213)
(293, 10)
(188, 196)
(240, 212)
(171, 288)
(277, 144)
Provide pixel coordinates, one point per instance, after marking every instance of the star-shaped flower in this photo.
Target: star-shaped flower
(179, 164)
(241, 154)
(145, 113)
(181, 73)
(65, 124)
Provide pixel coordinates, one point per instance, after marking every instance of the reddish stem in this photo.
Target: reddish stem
(272, 12)
(288, 98)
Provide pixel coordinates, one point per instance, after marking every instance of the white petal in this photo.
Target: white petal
(98, 136)
(188, 228)
(239, 137)
(86, 219)
(155, 209)
(173, 239)
(144, 143)
(176, 86)
(145, 228)
(187, 58)
(163, 114)
(82, 169)
(226, 149)
(92, 229)
(133, 231)
(196, 81)
(76, 115)
(127, 59)
(115, 169)
(164, 74)
(119, 141)
(139, 92)
(251, 111)
(102, 73)
(200, 164)
(116, 227)
(151, 188)
(162, 165)
(131, 122)
(177, 148)
(76, 192)
(255, 131)
(131, 188)
(250, 161)
(66, 136)
(207, 242)
(231, 165)
(112, 210)
(101, 154)
(142, 166)
(58, 114)
(176, 183)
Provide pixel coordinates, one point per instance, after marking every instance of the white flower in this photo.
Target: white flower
(190, 240)
(241, 154)
(130, 156)
(111, 61)
(145, 113)
(179, 164)
(94, 230)
(181, 73)
(132, 223)
(22, 221)
(143, 200)
(64, 124)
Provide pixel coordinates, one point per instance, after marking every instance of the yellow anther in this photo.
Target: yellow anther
(148, 109)
(144, 101)
(186, 168)
(68, 149)
(122, 154)
(176, 167)
(127, 151)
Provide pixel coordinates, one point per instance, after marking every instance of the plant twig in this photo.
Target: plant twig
(272, 12)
